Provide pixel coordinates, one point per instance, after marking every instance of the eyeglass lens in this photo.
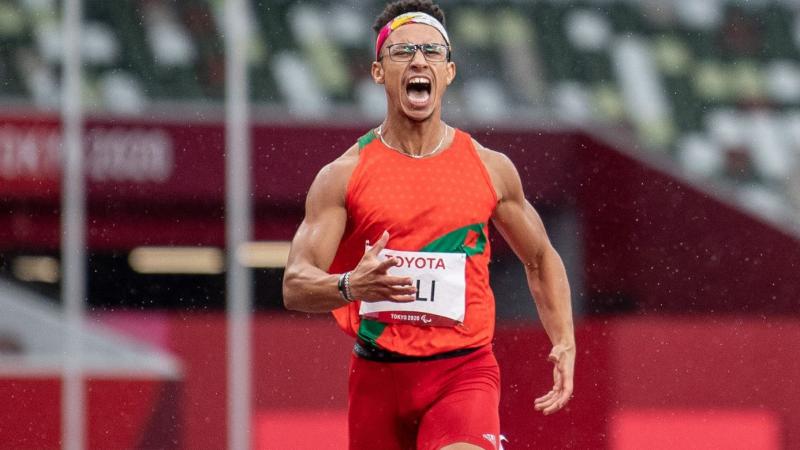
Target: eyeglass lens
(406, 52)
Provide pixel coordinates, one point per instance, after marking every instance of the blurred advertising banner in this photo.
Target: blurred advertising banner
(160, 161)
(145, 177)
(32, 153)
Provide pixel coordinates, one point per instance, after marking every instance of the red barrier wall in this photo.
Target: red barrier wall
(694, 364)
(123, 413)
(298, 364)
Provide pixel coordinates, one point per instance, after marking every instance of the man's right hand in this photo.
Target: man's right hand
(370, 281)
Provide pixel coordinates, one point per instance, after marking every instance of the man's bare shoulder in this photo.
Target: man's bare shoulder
(342, 167)
(331, 181)
(500, 167)
(493, 158)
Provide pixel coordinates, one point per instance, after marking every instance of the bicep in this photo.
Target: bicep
(318, 236)
(317, 239)
(517, 220)
(521, 226)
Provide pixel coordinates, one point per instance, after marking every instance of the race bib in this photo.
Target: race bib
(441, 286)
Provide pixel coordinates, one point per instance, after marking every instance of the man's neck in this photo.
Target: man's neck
(412, 137)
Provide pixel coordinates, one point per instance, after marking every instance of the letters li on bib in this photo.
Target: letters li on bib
(441, 287)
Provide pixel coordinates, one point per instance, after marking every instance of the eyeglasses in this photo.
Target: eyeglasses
(405, 52)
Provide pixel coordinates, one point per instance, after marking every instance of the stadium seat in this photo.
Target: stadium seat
(662, 69)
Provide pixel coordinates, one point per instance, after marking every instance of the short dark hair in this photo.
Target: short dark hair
(398, 7)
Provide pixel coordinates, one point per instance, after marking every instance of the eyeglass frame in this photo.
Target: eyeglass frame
(417, 48)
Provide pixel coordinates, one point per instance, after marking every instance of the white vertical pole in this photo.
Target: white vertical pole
(238, 222)
(73, 232)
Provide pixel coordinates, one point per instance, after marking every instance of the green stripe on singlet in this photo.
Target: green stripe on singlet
(369, 330)
(453, 242)
(366, 139)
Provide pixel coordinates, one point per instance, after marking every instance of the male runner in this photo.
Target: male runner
(395, 244)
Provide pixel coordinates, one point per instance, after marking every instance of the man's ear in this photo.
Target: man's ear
(377, 72)
(451, 72)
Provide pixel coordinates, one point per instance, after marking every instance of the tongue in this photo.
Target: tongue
(418, 95)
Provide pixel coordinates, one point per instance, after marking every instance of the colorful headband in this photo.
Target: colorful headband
(404, 19)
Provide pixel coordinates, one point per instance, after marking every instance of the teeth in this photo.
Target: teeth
(418, 80)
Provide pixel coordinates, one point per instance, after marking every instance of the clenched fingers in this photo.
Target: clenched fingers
(545, 398)
(552, 401)
(561, 393)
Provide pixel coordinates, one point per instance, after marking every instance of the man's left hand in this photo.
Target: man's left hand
(563, 359)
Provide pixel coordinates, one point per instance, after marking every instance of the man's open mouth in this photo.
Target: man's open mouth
(418, 90)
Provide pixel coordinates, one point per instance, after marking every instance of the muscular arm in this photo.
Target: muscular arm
(522, 228)
(307, 286)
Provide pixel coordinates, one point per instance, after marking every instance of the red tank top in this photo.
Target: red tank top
(441, 203)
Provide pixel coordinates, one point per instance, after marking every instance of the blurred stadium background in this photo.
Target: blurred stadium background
(660, 141)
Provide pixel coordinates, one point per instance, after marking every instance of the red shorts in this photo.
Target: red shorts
(425, 404)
